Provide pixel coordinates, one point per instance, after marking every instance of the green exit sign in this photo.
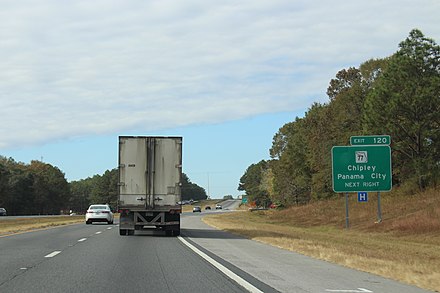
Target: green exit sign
(361, 168)
(370, 140)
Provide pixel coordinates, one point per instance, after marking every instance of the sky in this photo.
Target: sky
(225, 75)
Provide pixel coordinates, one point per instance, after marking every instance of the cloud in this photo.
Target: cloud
(76, 68)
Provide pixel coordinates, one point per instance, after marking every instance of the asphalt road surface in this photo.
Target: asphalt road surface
(91, 258)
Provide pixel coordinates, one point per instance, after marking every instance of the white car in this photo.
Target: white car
(99, 213)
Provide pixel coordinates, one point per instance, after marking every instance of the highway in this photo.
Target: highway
(84, 258)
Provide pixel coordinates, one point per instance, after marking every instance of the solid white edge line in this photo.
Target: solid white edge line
(222, 268)
(53, 253)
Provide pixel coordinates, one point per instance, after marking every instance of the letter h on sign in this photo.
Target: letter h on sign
(362, 196)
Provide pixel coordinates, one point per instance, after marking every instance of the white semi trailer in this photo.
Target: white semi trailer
(150, 172)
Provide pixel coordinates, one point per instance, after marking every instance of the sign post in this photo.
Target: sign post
(379, 209)
(347, 219)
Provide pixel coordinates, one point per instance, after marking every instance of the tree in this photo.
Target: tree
(105, 188)
(191, 190)
(16, 193)
(405, 104)
(50, 188)
(290, 167)
(99, 189)
(80, 192)
(19, 197)
(320, 137)
(4, 177)
(252, 182)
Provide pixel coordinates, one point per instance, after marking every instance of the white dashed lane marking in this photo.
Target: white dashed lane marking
(80, 240)
(53, 253)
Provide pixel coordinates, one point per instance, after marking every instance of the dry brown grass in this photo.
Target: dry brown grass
(404, 247)
(11, 226)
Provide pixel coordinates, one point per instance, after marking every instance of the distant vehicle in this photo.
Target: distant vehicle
(207, 208)
(218, 207)
(197, 209)
(3, 212)
(99, 213)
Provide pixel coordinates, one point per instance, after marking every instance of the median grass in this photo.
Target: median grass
(405, 246)
(11, 225)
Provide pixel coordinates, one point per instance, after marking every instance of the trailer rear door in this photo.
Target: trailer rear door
(150, 170)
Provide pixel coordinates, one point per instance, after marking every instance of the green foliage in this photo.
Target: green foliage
(38, 188)
(320, 137)
(252, 182)
(291, 175)
(50, 188)
(191, 190)
(406, 105)
(99, 189)
(80, 192)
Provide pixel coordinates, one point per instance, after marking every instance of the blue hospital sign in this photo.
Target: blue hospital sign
(362, 196)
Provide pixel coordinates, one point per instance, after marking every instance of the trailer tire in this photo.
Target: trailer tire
(176, 232)
(122, 232)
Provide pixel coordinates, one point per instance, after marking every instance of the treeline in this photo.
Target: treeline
(397, 96)
(94, 190)
(35, 188)
(191, 190)
(40, 188)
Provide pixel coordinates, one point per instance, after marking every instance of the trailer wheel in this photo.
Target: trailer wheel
(122, 232)
(176, 232)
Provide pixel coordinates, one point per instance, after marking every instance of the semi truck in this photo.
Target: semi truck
(149, 188)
